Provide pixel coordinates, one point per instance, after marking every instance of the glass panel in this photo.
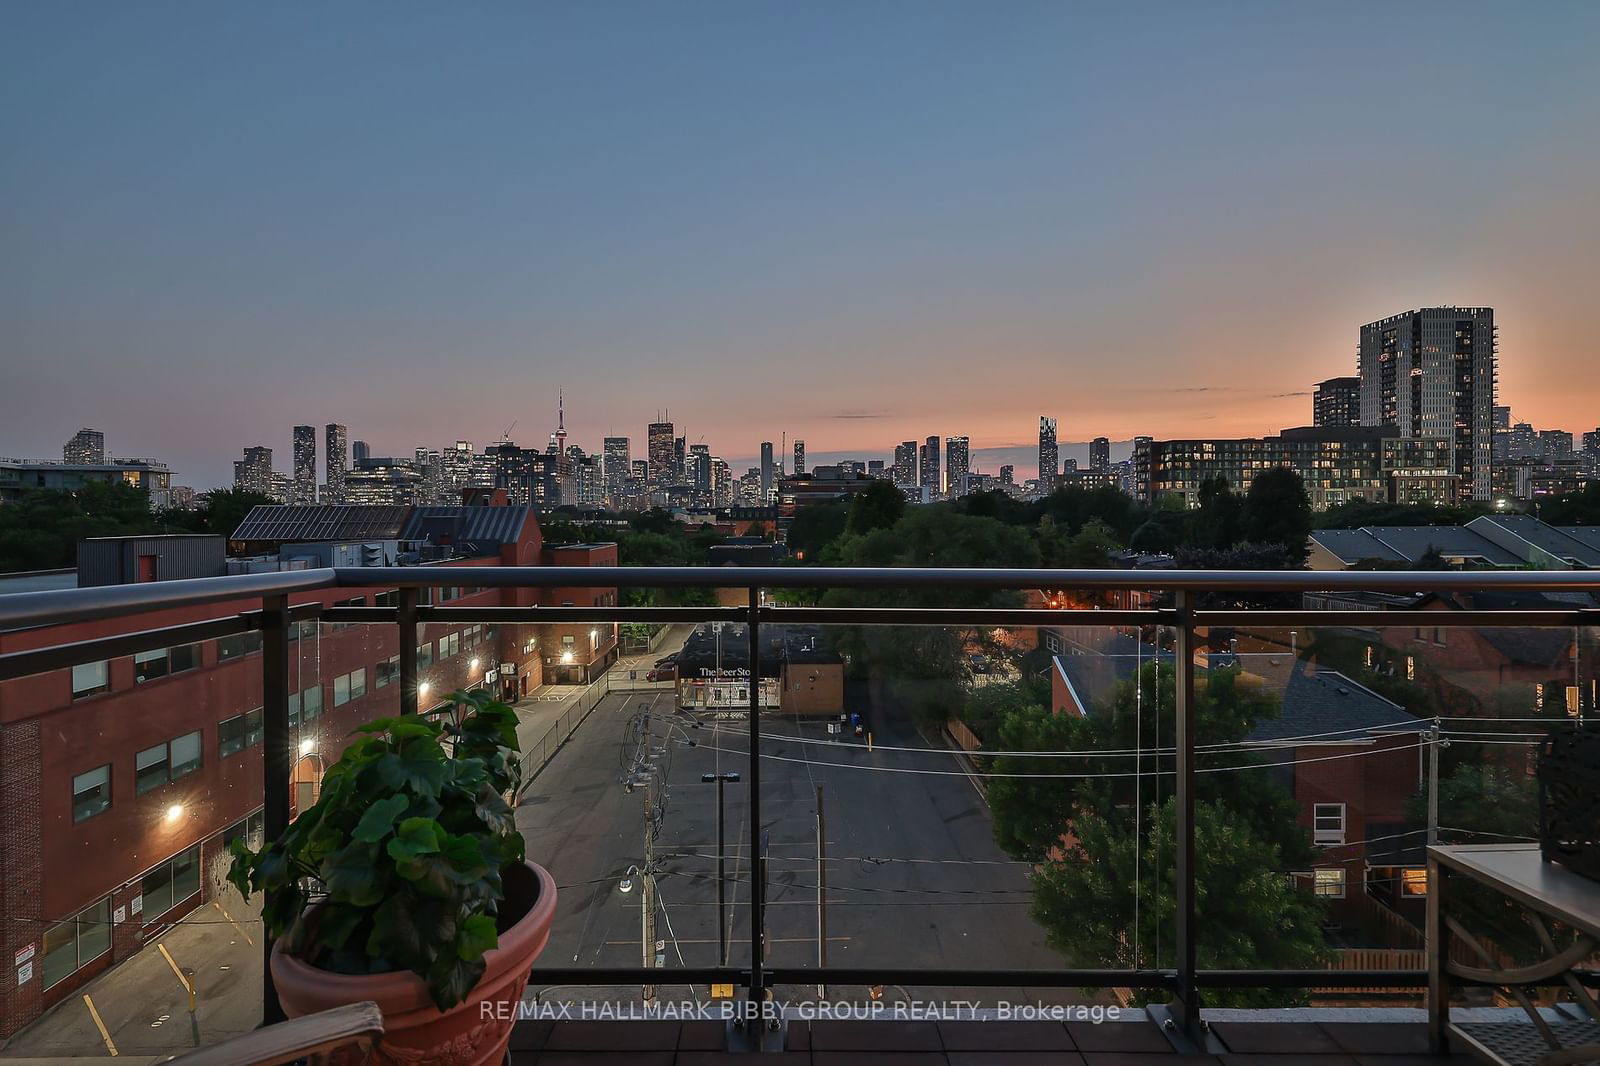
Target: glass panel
(186, 874)
(186, 657)
(156, 890)
(94, 931)
(60, 952)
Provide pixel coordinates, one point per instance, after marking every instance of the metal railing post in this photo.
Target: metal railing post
(407, 625)
(276, 760)
(758, 890)
(1186, 998)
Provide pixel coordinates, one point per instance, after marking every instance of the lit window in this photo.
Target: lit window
(1414, 882)
(1411, 668)
(1328, 883)
(1538, 696)
(1572, 701)
(1328, 823)
(1369, 657)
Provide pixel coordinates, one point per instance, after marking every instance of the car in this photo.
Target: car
(665, 672)
(669, 658)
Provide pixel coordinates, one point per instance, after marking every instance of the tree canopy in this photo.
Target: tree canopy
(41, 530)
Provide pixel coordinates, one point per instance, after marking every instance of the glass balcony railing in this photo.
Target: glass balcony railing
(1160, 787)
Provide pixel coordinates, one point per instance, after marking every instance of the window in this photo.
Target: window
(76, 942)
(149, 665)
(387, 672)
(184, 754)
(302, 630)
(88, 679)
(1572, 701)
(1328, 884)
(351, 686)
(387, 599)
(237, 646)
(238, 733)
(91, 792)
(150, 769)
(249, 829)
(1328, 823)
(424, 656)
(1369, 657)
(449, 645)
(1414, 882)
(170, 883)
(311, 703)
(1411, 668)
(1538, 697)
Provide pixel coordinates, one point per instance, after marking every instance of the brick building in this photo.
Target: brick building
(124, 780)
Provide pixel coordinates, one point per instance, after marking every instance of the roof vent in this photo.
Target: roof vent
(1343, 691)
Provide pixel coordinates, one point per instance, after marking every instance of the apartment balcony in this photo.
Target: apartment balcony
(928, 827)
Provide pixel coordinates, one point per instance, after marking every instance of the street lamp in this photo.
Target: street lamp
(722, 864)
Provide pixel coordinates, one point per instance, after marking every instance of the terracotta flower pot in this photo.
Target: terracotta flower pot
(475, 1031)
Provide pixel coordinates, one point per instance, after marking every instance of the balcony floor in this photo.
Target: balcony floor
(969, 1043)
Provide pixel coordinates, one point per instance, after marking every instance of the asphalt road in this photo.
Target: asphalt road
(913, 876)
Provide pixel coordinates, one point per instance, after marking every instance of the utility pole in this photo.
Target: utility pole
(722, 866)
(1433, 783)
(647, 894)
(822, 909)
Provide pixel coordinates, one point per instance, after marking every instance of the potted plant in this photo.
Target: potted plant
(406, 884)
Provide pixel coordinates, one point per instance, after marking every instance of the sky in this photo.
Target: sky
(856, 222)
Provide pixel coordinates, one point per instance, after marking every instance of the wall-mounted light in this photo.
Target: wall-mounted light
(422, 689)
(473, 665)
(306, 745)
(174, 812)
(566, 656)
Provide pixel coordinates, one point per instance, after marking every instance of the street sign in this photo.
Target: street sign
(661, 945)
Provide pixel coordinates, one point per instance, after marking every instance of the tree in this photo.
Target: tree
(816, 527)
(878, 506)
(1278, 511)
(1091, 548)
(41, 529)
(1248, 837)
(1574, 508)
(1219, 522)
(1482, 804)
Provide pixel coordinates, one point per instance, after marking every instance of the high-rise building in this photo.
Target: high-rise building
(799, 456)
(1431, 374)
(1555, 445)
(1142, 457)
(253, 473)
(86, 448)
(875, 468)
(1100, 455)
(360, 452)
(659, 450)
(618, 466)
(928, 466)
(700, 468)
(905, 464)
(1336, 402)
(955, 465)
(768, 472)
(303, 487)
(1049, 458)
(336, 456)
(458, 461)
(723, 486)
(1008, 475)
(680, 460)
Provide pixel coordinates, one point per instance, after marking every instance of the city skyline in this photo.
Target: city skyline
(959, 193)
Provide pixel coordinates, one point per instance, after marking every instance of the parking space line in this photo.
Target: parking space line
(218, 904)
(100, 1025)
(183, 978)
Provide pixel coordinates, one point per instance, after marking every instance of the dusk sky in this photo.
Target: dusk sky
(855, 222)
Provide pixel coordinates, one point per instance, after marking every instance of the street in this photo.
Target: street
(913, 876)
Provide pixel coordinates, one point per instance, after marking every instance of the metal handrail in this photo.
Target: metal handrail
(275, 614)
(56, 606)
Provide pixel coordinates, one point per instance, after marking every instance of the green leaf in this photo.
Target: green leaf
(418, 766)
(379, 819)
(395, 931)
(417, 837)
(478, 934)
(352, 875)
(335, 923)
